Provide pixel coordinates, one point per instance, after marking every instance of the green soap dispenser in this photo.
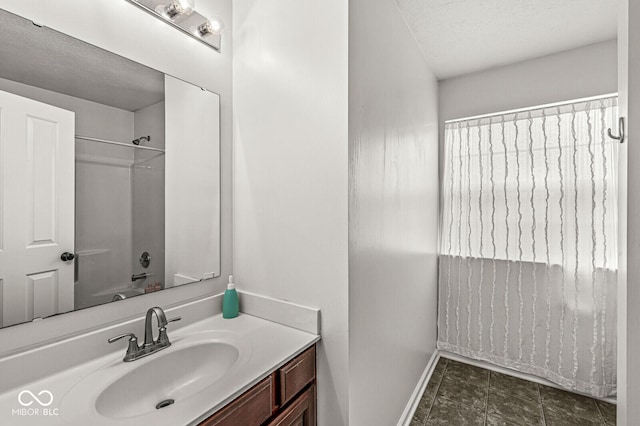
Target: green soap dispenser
(230, 303)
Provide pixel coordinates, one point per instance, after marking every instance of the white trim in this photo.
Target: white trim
(513, 373)
(412, 405)
(531, 108)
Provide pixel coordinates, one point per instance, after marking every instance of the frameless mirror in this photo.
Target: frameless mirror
(109, 176)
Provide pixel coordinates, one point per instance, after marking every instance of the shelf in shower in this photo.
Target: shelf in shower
(112, 153)
(127, 145)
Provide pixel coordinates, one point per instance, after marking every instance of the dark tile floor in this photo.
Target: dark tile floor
(460, 394)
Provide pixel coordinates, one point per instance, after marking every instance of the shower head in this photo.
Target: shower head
(140, 139)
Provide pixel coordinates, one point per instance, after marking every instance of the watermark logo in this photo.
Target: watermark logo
(35, 404)
(25, 402)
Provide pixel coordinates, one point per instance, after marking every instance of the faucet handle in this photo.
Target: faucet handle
(163, 339)
(131, 337)
(132, 349)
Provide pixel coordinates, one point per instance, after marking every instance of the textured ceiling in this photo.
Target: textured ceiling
(462, 36)
(54, 61)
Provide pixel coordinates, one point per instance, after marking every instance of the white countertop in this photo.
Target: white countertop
(264, 346)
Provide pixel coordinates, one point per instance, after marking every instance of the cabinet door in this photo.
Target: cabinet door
(302, 412)
(297, 374)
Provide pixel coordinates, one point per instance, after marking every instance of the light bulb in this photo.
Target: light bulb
(210, 26)
(186, 5)
(176, 7)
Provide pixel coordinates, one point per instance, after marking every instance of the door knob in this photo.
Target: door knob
(66, 256)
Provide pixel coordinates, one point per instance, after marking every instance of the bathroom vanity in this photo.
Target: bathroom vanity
(287, 397)
(244, 371)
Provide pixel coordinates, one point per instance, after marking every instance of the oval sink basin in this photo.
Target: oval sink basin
(166, 376)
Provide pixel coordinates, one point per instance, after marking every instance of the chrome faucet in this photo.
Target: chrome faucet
(148, 332)
(150, 346)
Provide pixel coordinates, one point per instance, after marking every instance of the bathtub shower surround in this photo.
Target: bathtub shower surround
(528, 243)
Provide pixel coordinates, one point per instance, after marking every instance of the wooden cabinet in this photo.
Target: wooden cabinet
(287, 397)
(254, 407)
(301, 412)
(297, 374)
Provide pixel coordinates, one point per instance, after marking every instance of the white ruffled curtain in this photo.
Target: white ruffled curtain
(528, 255)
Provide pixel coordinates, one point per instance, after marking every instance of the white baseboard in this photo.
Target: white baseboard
(412, 405)
(510, 372)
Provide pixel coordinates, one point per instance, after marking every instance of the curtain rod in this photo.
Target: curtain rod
(543, 106)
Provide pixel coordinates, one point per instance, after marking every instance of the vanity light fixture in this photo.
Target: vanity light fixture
(182, 15)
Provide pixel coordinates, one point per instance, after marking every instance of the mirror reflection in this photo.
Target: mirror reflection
(109, 176)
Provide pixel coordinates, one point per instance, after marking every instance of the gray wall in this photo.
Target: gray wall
(290, 169)
(393, 213)
(572, 74)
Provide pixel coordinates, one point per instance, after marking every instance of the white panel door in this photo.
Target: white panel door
(37, 181)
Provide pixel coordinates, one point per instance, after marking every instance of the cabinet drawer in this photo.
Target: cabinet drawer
(296, 374)
(253, 408)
